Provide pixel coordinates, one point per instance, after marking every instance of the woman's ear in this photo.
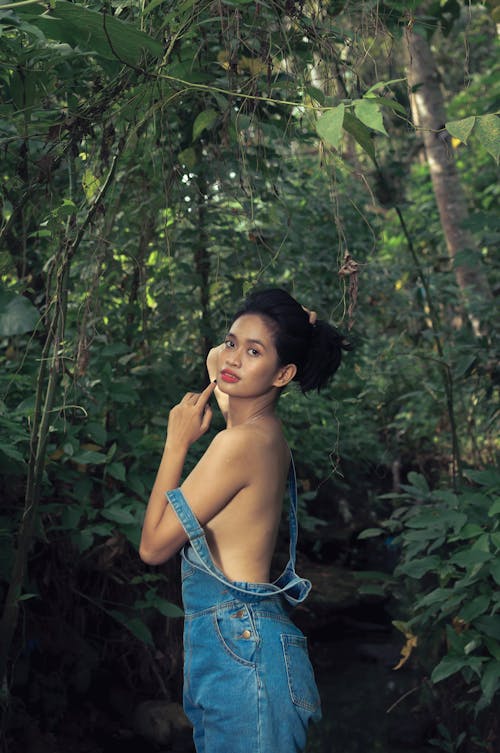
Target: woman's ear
(285, 375)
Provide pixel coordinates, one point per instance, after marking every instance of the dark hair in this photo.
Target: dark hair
(316, 349)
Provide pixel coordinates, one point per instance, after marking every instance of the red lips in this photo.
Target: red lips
(228, 376)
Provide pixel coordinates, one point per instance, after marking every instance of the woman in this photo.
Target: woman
(248, 682)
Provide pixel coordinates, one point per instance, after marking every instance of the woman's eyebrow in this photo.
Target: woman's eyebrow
(248, 340)
(257, 342)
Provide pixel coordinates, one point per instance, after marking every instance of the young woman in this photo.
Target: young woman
(248, 681)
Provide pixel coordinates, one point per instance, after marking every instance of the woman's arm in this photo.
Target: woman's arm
(222, 399)
(187, 422)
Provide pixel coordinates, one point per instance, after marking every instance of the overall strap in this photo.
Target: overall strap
(189, 522)
(293, 587)
(292, 514)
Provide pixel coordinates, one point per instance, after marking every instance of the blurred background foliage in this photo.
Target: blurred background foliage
(161, 159)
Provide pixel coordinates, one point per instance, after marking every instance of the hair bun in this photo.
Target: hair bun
(324, 356)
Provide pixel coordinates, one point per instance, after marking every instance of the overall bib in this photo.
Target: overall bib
(249, 686)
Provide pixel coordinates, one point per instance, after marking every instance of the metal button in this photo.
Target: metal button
(246, 634)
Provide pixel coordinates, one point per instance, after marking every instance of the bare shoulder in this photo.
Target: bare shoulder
(252, 443)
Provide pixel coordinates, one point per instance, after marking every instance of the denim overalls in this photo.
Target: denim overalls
(248, 683)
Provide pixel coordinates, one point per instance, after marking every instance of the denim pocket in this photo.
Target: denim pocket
(300, 675)
(235, 630)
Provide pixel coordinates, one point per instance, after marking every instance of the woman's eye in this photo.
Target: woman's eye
(253, 352)
(229, 344)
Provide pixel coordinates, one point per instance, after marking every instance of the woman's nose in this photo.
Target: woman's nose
(233, 356)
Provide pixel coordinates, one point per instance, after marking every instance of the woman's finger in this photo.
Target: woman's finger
(207, 418)
(204, 396)
(193, 398)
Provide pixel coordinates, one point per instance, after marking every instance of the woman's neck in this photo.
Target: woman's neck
(246, 411)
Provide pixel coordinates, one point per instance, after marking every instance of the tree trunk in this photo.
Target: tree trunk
(429, 114)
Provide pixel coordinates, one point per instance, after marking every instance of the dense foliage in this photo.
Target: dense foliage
(160, 159)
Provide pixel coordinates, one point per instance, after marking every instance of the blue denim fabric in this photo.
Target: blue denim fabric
(248, 683)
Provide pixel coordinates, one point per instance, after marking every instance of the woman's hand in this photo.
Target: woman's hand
(212, 361)
(313, 317)
(212, 366)
(190, 419)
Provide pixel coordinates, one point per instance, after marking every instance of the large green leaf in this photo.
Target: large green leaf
(368, 111)
(90, 30)
(204, 120)
(461, 129)
(134, 624)
(360, 132)
(490, 681)
(118, 515)
(449, 665)
(89, 457)
(487, 129)
(17, 314)
(329, 125)
(475, 608)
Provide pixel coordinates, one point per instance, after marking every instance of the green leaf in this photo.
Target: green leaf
(469, 531)
(91, 184)
(461, 129)
(419, 482)
(166, 608)
(135, 625)
(11, 452)
(474, 608)
(487, 129)
(489, 477)
(187, 157)
(316, 94)
(151, 6)
(372, 589)
(426, 518)
(419, 567)
(448, 666)
(369, 113)
(464, 364)
(383, 85)
(116, 470)
(437, 595)
(89, 457)
(386, 102)
(71, 517)
(495, 539)
(494, 509)
(488, 624)
(83, 540)
(169, 610)
(118, 515)
(403, 627)
(470, 557)
(25, 597)
(87, 29)
(204, 120)
(360, 133)
(132, 533)
(492, 646)
(490, 680)
(370, 533)
(17, 315)
(329, 125)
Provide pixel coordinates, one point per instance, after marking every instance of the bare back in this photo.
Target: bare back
(242, 535)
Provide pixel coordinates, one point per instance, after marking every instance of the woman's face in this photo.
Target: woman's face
(248, 364)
